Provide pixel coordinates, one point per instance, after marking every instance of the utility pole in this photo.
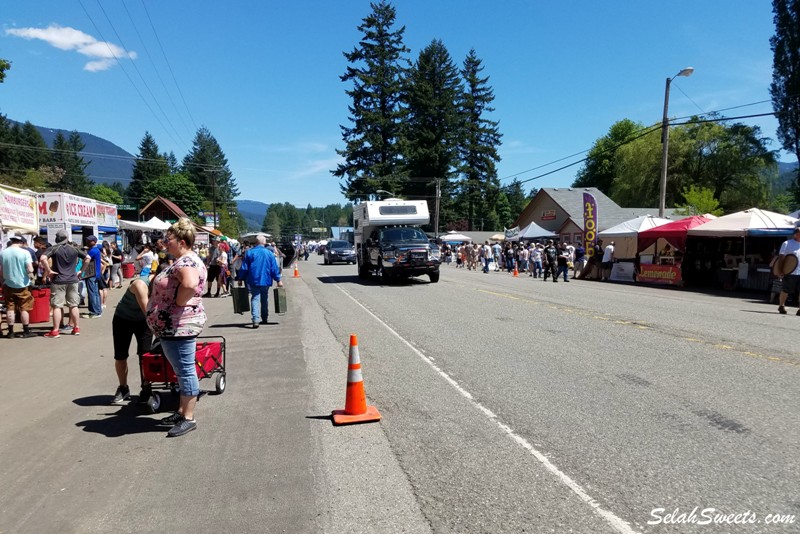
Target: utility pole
(436, 212)
(213, 173)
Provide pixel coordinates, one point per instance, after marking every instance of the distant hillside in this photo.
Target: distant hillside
(253, 212)
(786, 176)
(108, 163)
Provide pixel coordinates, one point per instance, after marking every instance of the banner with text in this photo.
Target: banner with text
(63, 207)
(589, 223)
(18, 212)
(106, 214)
(660, 274)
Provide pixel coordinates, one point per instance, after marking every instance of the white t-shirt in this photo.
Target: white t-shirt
(791, 246)
(608, 255)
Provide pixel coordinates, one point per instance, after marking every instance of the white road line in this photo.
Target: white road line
(612, 519)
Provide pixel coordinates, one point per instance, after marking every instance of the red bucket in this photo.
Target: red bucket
(128, 270)
(41, 305)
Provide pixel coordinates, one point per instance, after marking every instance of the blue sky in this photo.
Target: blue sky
(264, 76)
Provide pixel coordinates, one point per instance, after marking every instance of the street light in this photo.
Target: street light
(662, 196)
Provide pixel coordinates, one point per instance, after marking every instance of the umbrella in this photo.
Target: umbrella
(498, 237)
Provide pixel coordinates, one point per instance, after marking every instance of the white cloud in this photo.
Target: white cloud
(103, 53)
(315, 168)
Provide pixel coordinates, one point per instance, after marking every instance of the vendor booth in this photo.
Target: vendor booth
(736, 249)
(625, 236)
(19, 216)
(64, 211)
(665, 266)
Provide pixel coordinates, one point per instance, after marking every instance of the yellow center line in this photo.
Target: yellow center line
(585, 313)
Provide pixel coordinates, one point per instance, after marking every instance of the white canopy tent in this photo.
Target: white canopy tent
(625, 234)
(744, 223)
(454, 237)
(153, 224)
(533, 231)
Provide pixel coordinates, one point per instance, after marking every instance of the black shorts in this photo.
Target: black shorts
(607, 264)
(102, 283)
(791, 283)
(123, 331)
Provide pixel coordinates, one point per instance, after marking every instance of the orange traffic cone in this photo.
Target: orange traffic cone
(296, 272)
(355, 405)
(516, 272)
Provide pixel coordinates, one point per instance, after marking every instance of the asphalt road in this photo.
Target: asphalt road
(508, 404)
(517, 405)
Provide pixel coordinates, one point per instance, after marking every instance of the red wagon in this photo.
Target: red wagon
(157, 374)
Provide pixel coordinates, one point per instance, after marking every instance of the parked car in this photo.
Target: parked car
(342, 251)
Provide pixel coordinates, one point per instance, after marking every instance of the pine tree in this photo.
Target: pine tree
(148, 166)
(66, 156)
(431, 130)
(32, 151)
(207, 166)
(785, 87)
(480, 139)
(376, 70)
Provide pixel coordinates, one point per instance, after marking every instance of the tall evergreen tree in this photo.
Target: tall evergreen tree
(38, 153)
(66, 156)
(785, 87)
(77, 180)
(7, 153)
(148, 166)
(480, 139)
(376, 69)
(431, 130)
(207, 166)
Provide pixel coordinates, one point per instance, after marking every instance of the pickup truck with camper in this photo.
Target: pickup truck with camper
(390, 242)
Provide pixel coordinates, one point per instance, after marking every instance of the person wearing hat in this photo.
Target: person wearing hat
(608, 261)
(64, 290)
(93, 276)
(17, 273)
(791, 281)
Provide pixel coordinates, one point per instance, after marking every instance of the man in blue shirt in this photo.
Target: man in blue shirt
(92, 287)
(16, 271)
(259, 269)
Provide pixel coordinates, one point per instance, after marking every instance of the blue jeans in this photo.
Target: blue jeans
(257, 294)
(486, 262)
(181, 355)
(563, 269)
(537, 268)
(94, 296)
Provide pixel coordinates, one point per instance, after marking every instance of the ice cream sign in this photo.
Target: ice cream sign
(63, 207)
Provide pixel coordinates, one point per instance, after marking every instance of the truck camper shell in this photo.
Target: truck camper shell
(393, 211)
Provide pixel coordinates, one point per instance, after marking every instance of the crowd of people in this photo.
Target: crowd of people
(163, 301)
(547, 259)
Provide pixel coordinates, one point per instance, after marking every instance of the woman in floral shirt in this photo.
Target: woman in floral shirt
(175, 314)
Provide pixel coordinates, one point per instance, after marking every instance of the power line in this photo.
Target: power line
(146, 103)
(136, 68)
(172, 73)
(155, 67)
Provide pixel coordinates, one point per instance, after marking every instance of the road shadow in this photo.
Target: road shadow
(373, 280)
(128, 419)
(328, 417)
(345, 279)
(248, 324)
